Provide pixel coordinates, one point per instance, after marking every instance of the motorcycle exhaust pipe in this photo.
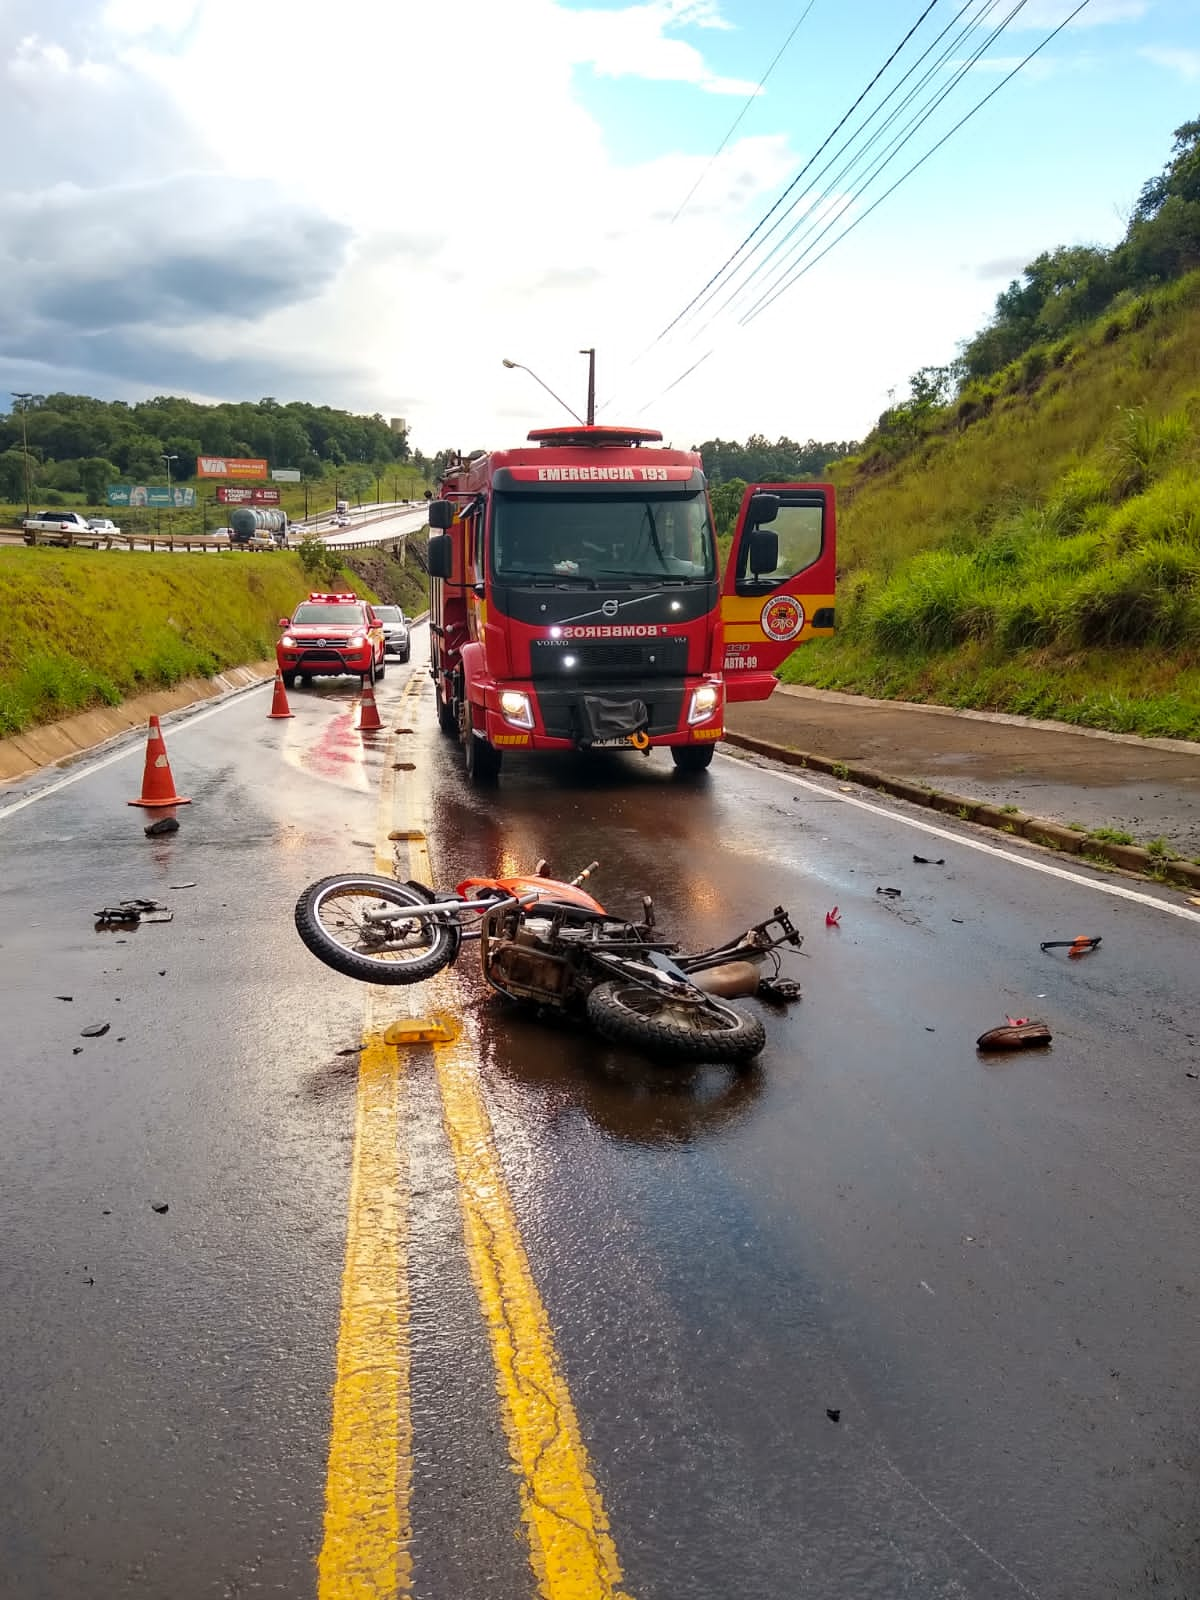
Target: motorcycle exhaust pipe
(733, 981)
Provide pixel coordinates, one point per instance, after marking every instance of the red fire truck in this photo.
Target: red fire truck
(578, 601)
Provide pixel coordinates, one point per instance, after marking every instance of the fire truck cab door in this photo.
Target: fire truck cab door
(777, 591)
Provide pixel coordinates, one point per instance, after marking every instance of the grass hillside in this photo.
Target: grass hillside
(84, 628)
(1034, 546)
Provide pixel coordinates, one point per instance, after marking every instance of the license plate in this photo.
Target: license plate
(608, 744)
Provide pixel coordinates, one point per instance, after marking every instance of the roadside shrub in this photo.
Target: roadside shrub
(1168, 512)
(938, 601)
(1073, 495)
(1145, 599)
(1142, 447)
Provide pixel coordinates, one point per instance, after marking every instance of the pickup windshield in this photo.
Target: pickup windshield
(555, 538)
(310, 615)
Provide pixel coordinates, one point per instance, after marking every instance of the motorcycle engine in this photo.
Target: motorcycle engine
(525, 968)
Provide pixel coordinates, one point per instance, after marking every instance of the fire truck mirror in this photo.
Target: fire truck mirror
(764, 550)
(441, 513)
(440, 554)
(764, 508)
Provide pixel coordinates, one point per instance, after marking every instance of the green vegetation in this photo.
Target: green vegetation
(78, 445)
(1031, 543)
(85, 628)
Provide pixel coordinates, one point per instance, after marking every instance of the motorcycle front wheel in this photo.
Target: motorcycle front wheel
(696, 1029)
(331, 919)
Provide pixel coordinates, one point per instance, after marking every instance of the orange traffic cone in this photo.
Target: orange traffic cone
(158, 786)
(368, 711)
(279, 700)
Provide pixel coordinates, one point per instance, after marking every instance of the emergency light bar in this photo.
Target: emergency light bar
(334, 599)
(600, 437)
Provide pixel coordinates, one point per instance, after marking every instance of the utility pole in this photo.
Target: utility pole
(591, 405)
(25, 399)
(168, 460)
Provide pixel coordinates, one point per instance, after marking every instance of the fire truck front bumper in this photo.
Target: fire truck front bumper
(596, 716)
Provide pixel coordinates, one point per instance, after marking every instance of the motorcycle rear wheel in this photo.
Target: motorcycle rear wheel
(329, 919)
(702, 1030)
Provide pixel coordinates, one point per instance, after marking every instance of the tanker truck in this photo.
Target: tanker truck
(253, 528)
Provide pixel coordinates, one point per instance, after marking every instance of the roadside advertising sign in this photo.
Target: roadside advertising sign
(286, 474)
(142, 494)
(230, 467)
(247, 495)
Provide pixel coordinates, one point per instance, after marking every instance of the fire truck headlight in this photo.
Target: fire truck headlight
(515, 708)
(705, 700)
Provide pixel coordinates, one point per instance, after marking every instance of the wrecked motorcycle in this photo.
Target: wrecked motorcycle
(550, 943)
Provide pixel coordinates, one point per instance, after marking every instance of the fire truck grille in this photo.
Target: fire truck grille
(590, 661)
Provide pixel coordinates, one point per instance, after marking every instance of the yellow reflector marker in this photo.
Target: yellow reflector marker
(435, 1030)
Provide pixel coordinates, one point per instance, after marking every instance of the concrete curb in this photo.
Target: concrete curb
(53, 743)
(1039, 830)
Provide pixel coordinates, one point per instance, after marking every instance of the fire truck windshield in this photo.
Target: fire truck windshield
(581, 537)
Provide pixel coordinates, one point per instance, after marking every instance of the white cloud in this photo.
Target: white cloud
(633, 42)
(1175, 59)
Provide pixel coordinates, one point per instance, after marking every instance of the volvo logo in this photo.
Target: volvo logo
(610, 607)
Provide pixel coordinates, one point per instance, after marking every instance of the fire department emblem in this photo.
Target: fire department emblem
(782, 618)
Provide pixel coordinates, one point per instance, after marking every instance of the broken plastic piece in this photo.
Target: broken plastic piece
(894, 893)
(130, 912)
(1078, 946)
(833, 918)
(437, 1030)
(924, 861)
(780, 990)
(1023, 1033)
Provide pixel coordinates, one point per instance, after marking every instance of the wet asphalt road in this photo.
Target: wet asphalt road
(987, 1268)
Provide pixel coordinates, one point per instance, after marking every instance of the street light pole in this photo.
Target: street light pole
(168, 460)
(523, 368)
(591, 407)
(25, 399)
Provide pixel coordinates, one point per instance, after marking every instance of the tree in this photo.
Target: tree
(95, 474)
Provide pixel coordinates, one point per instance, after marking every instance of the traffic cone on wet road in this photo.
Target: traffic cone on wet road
(158, 786)
(368, 711)
(279, 700)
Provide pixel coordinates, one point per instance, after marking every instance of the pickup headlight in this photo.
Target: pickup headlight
(515, 708)
(356, 641)
(705, 701)
(288, 642)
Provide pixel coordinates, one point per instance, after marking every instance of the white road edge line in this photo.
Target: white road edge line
(1116, 890)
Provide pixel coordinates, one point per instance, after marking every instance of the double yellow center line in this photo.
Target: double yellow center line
(366, 1554)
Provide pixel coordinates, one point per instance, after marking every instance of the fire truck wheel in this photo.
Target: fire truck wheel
(692, 1029)
(692, 757)
(447, 721)
(483, 759)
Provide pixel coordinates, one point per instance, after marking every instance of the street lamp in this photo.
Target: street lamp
(25, 399)
(523, 368)
(168, 460)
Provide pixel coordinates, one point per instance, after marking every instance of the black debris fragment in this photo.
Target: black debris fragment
(893, 894)
(160, 1206)
(129, 913)
(95, 1030)
(163, 825)
(924, 861)
(77, 1050)
(191, 885)
(834, 1413)
(64, 997)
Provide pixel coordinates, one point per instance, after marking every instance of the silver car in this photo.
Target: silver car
(396, 641)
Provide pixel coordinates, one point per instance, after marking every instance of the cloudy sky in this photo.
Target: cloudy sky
(370, 204)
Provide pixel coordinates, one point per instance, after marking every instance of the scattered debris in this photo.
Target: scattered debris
(928, 1029)
(191, 885)
(956, 919)
(893, 893)
(129, 913)
(64, 997)
(924, 861)
(160, 1206)
(163, 825)
(1079, 946)
(780, 990)
(95, 1030)
(1191, 1074)
(77, 1050)
(833, 918)
(834, 1413)
(404, 766)
(106, 1212)
(1018, 1033)
(363, 844)
(354, 1050)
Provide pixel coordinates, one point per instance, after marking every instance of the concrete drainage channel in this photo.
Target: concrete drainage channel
(1038, 830)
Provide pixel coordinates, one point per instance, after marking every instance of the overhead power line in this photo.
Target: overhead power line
(750, 99)
(805, 168)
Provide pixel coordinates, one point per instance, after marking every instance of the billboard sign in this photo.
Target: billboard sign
(142, 494)
(230, 467)
(247, 495)
(286, 474)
